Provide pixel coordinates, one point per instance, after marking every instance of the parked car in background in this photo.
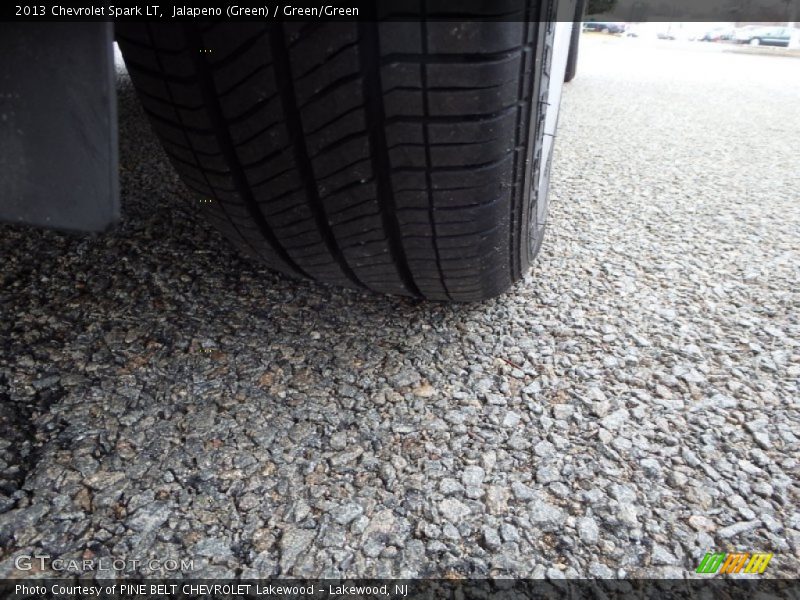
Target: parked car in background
(743, 32)
(718, 34)
(763, 36)
(604, 27)
(642, 30)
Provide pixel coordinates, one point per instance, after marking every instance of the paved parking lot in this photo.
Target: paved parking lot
(632, 405)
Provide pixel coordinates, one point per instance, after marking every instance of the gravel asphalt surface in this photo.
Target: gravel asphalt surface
(630, 406)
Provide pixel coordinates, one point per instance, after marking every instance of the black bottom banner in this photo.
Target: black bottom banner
(396, 589)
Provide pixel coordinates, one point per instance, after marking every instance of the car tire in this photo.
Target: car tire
(574, 42)
(395, 157)
(572, 59)
(755, 42)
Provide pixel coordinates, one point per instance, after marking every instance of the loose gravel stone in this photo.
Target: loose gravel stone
(449, 486)
(544, 449)
(453, 509)
(588, 530)
(616, 419)
(662, 556)
(546, 515)
(472, 476)
(522, 491)
(294, 543)
(547, 474)
(651, 467)
(491, 539)
(496, 500)
(738, 528)
(347, 513)
(509, 533)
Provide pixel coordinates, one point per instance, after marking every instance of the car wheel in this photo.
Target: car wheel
(755, 42)
(400, 157)
(604, 30)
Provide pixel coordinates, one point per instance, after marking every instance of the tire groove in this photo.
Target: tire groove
(246, 166)
(243, 47)
(294, 126)
(455, 119)
(170, 103)
(442, 144)
(448, 88)
(330, 88)
(338, 170)
(426, 142)
(368, 53)
(515, 221)
(245, 79)
(338, 117)
(346, 187)
(206, 82)
(179, 146)
(203, 131)
(206, 183)
(340, 142)
(328, 58)
(450, 59)
(455, 168)
(164, 76)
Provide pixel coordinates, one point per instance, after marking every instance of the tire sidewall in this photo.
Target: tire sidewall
(540, 176)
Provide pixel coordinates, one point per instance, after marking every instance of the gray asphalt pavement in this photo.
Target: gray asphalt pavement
(630, 406)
